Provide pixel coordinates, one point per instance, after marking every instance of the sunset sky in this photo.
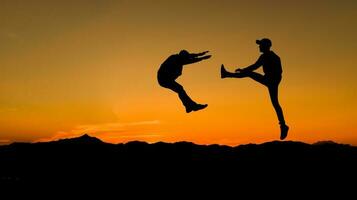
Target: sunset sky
(70, 67)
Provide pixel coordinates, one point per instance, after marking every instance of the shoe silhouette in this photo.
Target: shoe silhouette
(195, 107)
(283, 131)
(223, 72)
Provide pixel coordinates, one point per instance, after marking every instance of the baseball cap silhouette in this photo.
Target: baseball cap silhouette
(184, 53)
(264, 41)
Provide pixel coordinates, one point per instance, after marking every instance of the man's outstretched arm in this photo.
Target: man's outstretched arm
(198, 54)
(194, 60)
(252, 67)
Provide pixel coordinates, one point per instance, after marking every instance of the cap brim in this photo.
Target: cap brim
(258, 42)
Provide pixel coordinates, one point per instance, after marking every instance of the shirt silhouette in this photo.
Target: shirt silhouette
(171, 69)
(272, 76)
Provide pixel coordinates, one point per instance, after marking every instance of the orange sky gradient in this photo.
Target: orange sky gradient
(89, 66)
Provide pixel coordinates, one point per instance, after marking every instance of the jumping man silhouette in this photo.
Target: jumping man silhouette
(272, 76)
(171, 69)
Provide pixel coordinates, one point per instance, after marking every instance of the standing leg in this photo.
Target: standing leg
(273, 88)
(273, 91)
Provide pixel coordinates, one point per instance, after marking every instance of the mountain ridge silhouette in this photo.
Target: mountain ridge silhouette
(88, 160)
(87, 139)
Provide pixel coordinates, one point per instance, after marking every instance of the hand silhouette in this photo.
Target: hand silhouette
(203, 53)
(239, 70)
(206, 57)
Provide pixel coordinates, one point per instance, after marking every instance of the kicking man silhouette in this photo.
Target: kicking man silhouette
(272, 76)
(171, 69)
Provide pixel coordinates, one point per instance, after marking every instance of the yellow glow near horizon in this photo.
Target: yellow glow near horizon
(90, 66)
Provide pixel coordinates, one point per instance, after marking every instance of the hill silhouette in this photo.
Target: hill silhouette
(86, 159)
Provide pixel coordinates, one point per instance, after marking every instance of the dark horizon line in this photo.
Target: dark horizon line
(88, 136)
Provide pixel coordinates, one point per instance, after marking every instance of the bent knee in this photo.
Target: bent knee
(177, 88)
(164, 83)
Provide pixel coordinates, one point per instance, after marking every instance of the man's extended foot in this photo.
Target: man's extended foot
(283, 131)
(223, 72)
(188, 109)
(199, 107)
(195, 107)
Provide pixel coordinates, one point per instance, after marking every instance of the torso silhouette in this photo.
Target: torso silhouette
(170, 69)
(271, 64)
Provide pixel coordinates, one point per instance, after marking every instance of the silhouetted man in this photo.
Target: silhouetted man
(171, 69)
(271, 78)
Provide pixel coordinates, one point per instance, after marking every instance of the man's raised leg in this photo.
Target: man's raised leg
(227, 74)
(253, 75)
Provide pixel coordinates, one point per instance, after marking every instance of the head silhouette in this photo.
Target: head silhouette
(184, 53)
(264, 44)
